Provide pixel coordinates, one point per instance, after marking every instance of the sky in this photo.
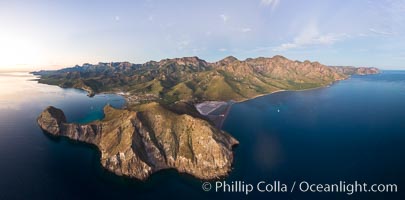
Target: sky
(46, 34)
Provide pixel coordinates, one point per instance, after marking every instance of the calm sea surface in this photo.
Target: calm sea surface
(351, 131)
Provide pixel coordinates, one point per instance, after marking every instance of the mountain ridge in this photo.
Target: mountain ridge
(194, 79)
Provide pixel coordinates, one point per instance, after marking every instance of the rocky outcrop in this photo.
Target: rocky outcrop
(137, 144)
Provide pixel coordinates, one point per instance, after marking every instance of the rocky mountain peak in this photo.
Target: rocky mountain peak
(279, 57)
(226, 61)
(230, 59)
(194, 61)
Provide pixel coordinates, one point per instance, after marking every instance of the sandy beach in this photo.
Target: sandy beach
(207, 107)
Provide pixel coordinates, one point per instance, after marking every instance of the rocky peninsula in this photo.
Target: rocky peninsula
(137, 144)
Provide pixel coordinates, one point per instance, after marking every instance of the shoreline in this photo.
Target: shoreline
(277, 91)
(225, 114)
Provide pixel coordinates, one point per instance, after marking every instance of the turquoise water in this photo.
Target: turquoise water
(353, 130)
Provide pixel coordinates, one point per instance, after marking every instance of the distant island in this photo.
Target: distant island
(168, 121)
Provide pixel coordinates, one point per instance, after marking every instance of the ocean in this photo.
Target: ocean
(350, 131)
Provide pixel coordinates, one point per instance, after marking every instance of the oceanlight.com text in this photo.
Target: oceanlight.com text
(348, 188)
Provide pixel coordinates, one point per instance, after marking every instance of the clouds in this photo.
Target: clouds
(304, 40)
(224, 18)
(380, 32)
(183, 44)
(245, 30)
(140, 32)
(311, 36)
(272, 3)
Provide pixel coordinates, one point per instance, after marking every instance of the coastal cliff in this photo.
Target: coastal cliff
(137, 144)
(348, 70)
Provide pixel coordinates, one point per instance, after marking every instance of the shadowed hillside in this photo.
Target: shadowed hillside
(193, 79)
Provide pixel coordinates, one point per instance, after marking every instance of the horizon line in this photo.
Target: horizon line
(167, 58)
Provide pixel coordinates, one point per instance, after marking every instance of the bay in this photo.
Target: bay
(352, 130)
